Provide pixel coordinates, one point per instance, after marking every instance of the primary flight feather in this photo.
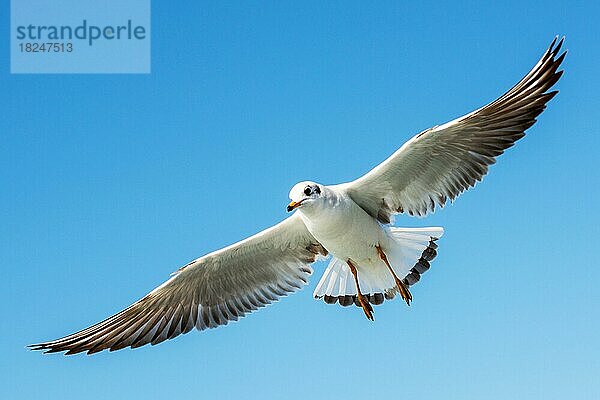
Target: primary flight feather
(371, 261)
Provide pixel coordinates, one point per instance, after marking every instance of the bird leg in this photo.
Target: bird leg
(364, 302)
(404, 292)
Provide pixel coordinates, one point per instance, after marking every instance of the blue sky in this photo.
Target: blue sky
(111, 182)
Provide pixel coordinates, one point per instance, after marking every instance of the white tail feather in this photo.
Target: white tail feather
(406, 246)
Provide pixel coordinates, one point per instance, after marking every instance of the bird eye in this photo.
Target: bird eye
(307, 191)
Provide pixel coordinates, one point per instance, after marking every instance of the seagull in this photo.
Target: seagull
(371, 260)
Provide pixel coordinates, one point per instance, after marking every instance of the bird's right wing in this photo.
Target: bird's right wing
(441, 162)
(209, 291)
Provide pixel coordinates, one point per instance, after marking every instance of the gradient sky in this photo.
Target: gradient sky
(111, 182)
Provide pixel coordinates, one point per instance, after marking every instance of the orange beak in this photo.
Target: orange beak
(293, 205)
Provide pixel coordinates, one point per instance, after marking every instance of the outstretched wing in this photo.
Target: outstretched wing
(441, 162)
(210, 291)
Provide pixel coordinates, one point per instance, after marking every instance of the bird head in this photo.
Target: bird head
(304, 194)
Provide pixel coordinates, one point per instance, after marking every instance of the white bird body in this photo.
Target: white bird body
(342, 227)
(350, 234)
(371, 260)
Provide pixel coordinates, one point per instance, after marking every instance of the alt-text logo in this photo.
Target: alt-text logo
(80, 36)
(86, 32)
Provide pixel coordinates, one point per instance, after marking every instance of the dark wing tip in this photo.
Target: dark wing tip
(45, 348)
(36, 347)
(554, 50)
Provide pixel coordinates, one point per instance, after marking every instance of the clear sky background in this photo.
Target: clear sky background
(111, 182)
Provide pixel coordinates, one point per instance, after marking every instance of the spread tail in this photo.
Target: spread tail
(411, 250)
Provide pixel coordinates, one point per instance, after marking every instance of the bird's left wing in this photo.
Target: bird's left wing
(209, 291)
(441, 162)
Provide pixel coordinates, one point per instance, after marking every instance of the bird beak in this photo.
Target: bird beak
(293, 205)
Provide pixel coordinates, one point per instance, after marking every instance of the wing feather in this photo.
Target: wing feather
(441, 162)
(208, 292)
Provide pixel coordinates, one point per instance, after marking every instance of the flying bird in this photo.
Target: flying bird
(371, 260)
